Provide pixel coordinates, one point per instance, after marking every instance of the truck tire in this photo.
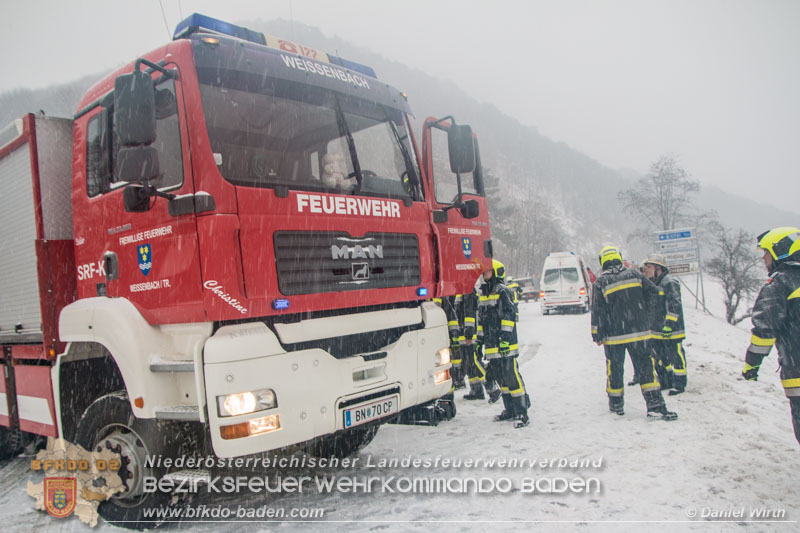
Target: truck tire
(12, 442)
(109, 423)
(343, 443)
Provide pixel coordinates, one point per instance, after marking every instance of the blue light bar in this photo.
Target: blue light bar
(196, 22)
(422, 291)
(280, 304)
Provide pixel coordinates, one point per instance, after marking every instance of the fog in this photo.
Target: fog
(625, 81)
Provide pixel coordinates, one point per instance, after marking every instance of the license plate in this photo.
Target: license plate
(366, 412)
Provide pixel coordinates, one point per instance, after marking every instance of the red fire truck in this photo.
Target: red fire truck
(236, 235)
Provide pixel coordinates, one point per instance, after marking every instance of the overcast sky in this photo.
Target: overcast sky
(715, 81)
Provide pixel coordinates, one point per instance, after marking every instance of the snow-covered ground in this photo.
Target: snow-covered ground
(731, 451)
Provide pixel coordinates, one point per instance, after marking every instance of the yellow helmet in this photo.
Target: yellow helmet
(781, 243)
(609, 253)
(499, 269)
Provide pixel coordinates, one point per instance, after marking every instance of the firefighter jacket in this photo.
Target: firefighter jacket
(669, 309)
(776, 319)
(497, 315)
(623, 303)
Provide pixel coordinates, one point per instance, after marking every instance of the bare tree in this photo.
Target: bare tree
(662, 198)
(737, 267)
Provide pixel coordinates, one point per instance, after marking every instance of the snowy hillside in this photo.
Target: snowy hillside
(732, 450)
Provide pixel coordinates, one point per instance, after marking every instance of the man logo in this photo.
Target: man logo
(360, 271)
(357, 252)
(60, 495)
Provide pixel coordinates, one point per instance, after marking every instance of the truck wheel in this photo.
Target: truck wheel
(12, 442)
(344, 443)
(109, 423)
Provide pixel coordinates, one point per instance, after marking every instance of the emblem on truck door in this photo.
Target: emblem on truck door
(360, 270)
(145, 254)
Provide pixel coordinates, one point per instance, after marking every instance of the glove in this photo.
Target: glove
(504, 348)
(666, 332)
(750, 373)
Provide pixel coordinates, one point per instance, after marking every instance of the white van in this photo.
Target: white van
(564, 284)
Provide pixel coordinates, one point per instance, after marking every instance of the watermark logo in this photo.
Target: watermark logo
(75, 480)
(60, 495)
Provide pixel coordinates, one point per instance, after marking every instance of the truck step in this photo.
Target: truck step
(172, 366)
(192, 478)
(188, 413)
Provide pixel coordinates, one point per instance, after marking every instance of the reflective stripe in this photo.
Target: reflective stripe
(761, 350)
(672, 317)
(620, 286)
(509, 329)
(507, 323)
(609, 390)
(521, 389)
(790, 383)
(795, 294)
(488, 351)
(653, 384)
(453, 323)
(758, 341)
(480, 328)
(631, 337)
(469, 320)
(680, 371)
(791, 393)
(660, 292)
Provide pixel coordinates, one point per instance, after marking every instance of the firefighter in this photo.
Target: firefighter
(668, 328)
(776, 315)
(473, 364)
(450, 306)
(622, 309)
(501, 345)
(481, 290)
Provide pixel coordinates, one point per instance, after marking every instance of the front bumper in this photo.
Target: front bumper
(311, 385)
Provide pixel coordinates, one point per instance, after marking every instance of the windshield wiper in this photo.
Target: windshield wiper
(412, 175)
(351, 144)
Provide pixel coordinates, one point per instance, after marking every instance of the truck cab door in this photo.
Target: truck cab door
(150, 255)
(460, 216)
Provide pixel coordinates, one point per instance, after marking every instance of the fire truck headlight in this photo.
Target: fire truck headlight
(443, 356)
(246, 402)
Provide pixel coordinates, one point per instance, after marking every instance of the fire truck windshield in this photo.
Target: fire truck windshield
(282, 133)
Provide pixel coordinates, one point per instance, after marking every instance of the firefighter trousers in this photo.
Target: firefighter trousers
(671, 363)
(790, 378)
(644, 366)
(472, 364)
(512, 386)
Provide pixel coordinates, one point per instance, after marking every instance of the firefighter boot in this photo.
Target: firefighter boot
(521, 404)
(493, 390)
(656, 409)
(508, 412)
(475, 391)
(616, 404)
(458, 377)
(661, 413)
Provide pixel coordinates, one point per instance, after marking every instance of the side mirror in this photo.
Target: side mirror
(470, 209)
(135, 108)
(136, 164)
(461, 148)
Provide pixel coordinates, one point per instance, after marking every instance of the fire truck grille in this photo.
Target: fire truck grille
(318, 262)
